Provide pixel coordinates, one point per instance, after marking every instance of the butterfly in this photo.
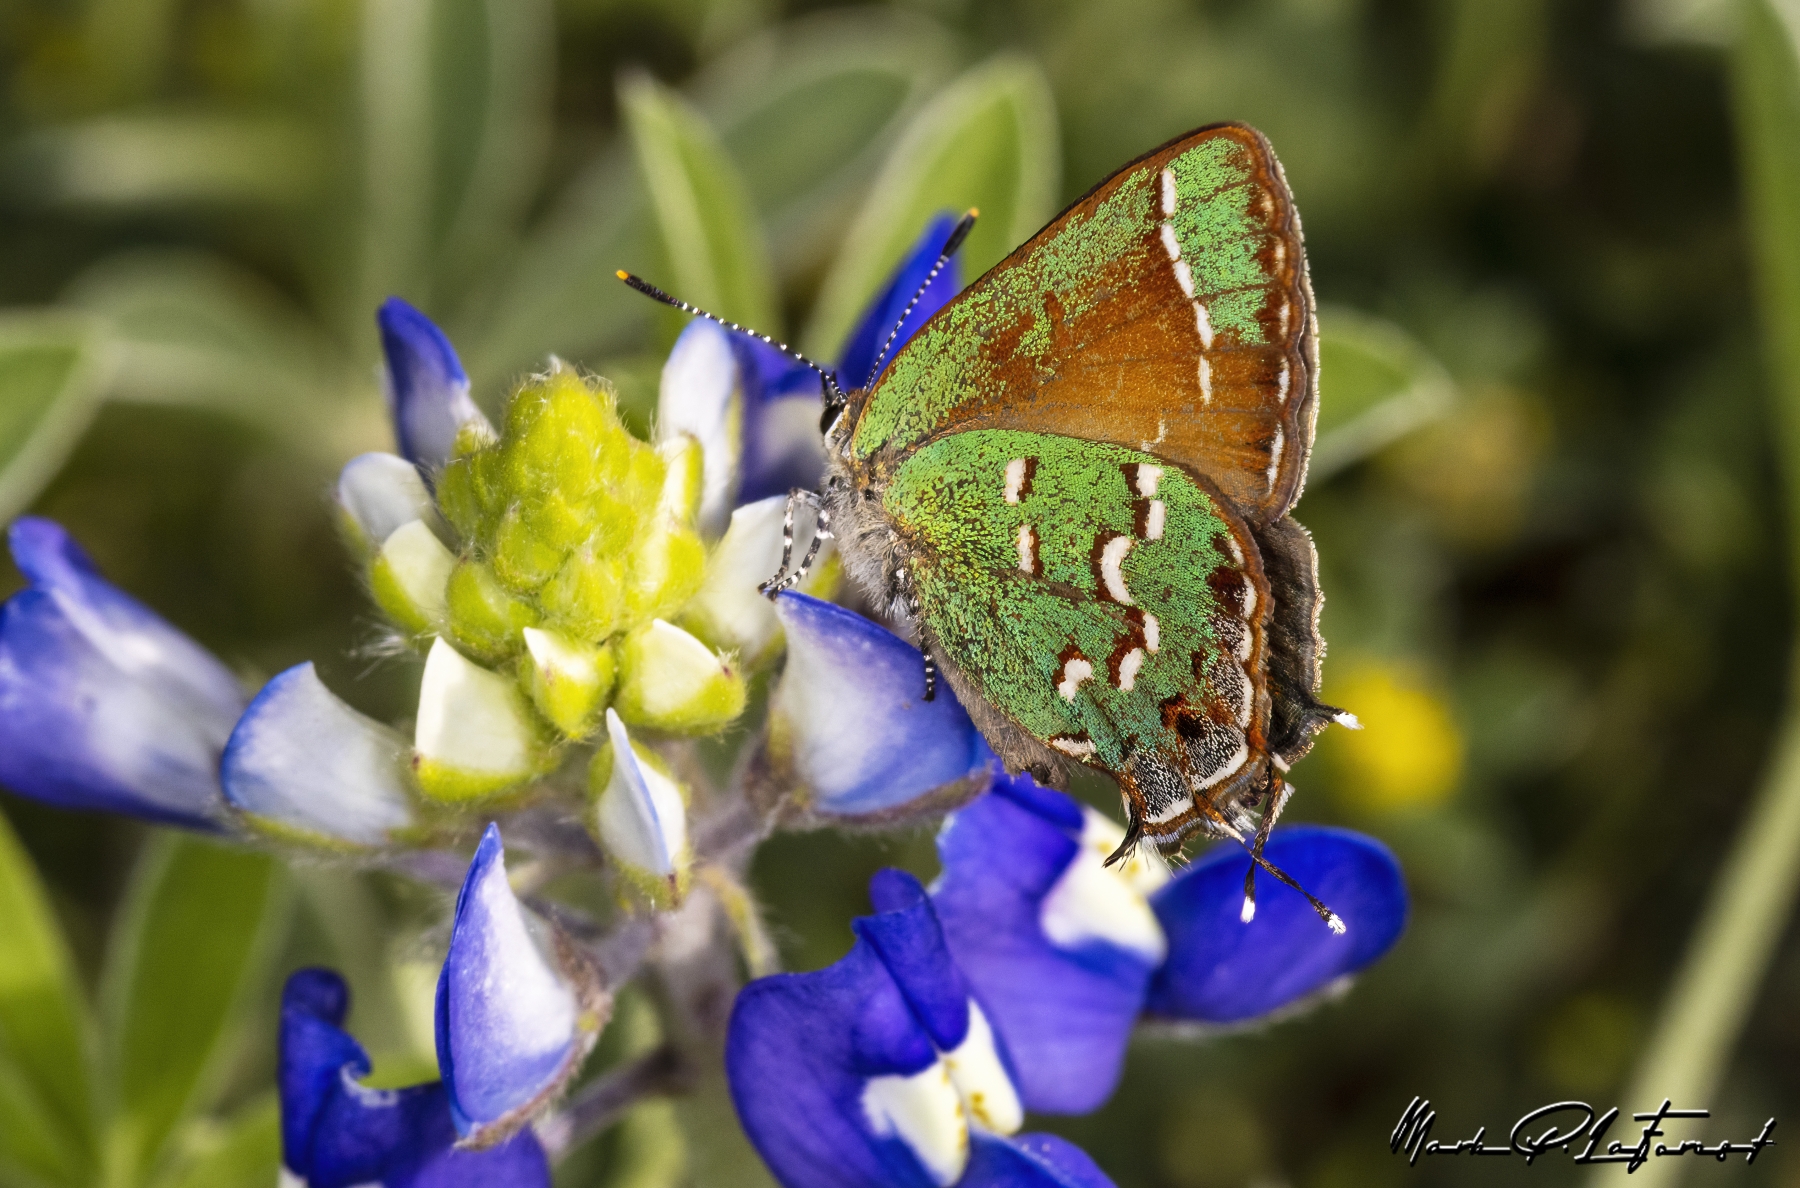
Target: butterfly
(1075, 480)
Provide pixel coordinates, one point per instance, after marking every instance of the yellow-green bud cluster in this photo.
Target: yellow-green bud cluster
(576, 540)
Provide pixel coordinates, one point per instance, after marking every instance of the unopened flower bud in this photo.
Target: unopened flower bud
(728, 612)
(377, 493)
(684, 477)
(568, 680)
(667, 567)
(475, 736)
(483, 617)
(668, 680)
(408, 578)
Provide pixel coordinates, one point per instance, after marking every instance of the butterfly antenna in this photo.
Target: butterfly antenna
(829, 377)
(960, 233)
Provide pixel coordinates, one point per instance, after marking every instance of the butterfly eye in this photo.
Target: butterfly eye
(827, 419)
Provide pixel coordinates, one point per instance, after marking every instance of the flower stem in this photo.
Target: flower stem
(660, 1072)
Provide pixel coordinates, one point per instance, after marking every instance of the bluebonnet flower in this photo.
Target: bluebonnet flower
(851, 737)
(1068, 953)
(512, 1028)
(336, 1132)
(1015, 986)
(303, 766)
(103, 704)
(427, 389)
(883, 1071)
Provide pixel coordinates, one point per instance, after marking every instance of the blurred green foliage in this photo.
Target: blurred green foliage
(1545, 492)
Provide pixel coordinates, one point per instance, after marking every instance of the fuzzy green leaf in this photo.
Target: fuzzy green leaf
(196, 935)
(1377, 384)
(988, 141)
(46, 1127)
(49, 368)
(710, 231)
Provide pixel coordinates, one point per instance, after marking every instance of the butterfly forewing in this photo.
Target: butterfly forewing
(1168, 311)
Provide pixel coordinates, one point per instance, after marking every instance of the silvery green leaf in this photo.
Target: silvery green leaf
(51, 367)
(1376, 385)
(989, 140)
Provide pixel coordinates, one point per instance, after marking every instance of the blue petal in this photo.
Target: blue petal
(78, 733)
(856, 365)
(300, 759)
(849, 725)
(1221, 970)
(1064, 1014)
(131, 636)
(1031, 1161)
(428, 392)
(798, 1054)
(510, 1031)
(336, 1133)
(782, 445)
(904, 931)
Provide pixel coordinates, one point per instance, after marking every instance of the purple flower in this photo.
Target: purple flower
(1067, 953)
(512, 1026)
(103, 705)
(427, 389)
(851, 737)
(335, 1132)
(884, 1070)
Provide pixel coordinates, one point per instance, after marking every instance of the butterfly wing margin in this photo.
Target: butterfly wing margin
(1169, 310)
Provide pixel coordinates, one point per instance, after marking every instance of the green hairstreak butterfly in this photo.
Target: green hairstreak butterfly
(1076, 477)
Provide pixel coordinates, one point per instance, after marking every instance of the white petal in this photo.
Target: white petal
(641, 815)
(728, 609)
(472, 722)
(925, 1112)
(981, 1081)
(378, 492)
(702, 394)
(303, 759)
(1095, 902)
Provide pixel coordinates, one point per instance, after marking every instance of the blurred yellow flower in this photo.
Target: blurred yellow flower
(1409, 753)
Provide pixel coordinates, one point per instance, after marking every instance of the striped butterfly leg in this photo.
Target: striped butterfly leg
(1332, 920)
(789, 576)
(1253, 846)
(1279, 791)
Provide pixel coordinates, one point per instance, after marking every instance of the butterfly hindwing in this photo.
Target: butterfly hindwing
(1104, 600)
(1168, 311)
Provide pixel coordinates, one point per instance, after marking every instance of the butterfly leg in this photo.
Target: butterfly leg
(917, 612)
(1279, 791)
(788, 577)
(1334, 921)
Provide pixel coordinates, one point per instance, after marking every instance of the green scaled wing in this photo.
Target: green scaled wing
(1101, 598)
